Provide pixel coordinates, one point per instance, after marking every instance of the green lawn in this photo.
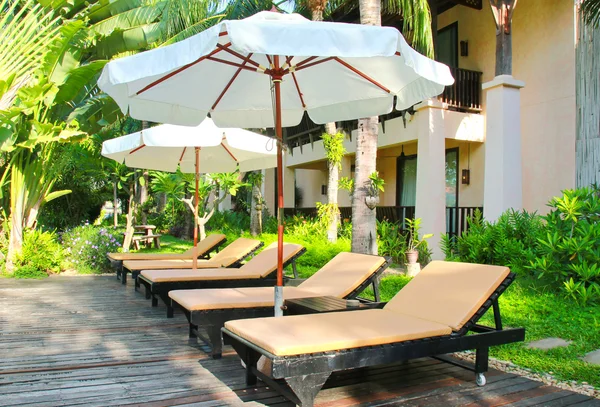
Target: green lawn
(526, 303)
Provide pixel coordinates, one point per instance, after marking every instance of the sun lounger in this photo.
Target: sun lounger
(257, 272)
(345, 276)
(430, 316)
(205, 247)
(230, 256)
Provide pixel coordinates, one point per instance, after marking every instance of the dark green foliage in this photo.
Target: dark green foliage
(510, 241)
(41, 255)
(569, 250)
(29, 271)
(229, 222)
(393, 241)
(562, 247)
(85, 247)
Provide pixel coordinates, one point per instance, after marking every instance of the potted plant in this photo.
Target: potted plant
(414, 241)
(372, 198)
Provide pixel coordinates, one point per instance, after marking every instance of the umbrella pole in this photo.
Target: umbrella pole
(196, 199)
(278, 132)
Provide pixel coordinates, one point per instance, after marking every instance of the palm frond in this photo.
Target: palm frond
(416, 26)
(590, 10)
(27, 33)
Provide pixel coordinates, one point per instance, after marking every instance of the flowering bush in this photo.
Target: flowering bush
(85, 248)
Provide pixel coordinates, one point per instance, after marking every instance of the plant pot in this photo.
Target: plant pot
(412, 256)
(372, 201)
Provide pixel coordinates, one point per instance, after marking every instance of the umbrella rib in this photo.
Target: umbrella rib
(240, 56)
(235, 75)
(137, 149)
(362, 75)
(183, 68)
(182, 153)
(308, 65)
(305, 61)
(226, 149)
(222, 61)
(298, 89)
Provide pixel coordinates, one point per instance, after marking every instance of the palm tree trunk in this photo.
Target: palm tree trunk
(588, 104)
(364, 233)
(256, 211)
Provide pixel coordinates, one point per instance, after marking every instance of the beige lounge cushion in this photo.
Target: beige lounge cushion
(229, 298)
(449, 293)
(265, 262)
(260, 266)
(233, 252)
(175, 275)
(204, 246)
(343, 274)
(301, 334)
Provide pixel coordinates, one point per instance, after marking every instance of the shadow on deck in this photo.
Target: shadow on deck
(91, 341)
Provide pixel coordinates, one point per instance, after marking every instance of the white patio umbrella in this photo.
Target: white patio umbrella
(267, 70)
(201, 149)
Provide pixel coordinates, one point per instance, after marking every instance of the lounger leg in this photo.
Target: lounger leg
(154, 301)
(148, 292)
(123, 277)
(192, 331)
(134, 277)
(216, 342)
(294, 268)
(167, 300)
(481, 365)
(305, 388)
(376, 289)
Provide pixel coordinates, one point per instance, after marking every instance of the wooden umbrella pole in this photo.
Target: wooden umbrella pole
(196, 199)
(277, 76)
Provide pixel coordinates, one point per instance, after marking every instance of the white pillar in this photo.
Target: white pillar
(431, 172)
(502, 187)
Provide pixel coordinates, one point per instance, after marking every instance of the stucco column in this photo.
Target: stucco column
(503, 185)
(431, 172)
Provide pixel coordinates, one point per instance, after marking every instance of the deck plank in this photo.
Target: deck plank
(90, 341)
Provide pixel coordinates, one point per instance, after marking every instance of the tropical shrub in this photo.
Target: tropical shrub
(569, 250)
(85, 248)
(41, 255)
(510, 241)
(391, 241)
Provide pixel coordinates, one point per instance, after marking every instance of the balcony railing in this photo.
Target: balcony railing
(465, 94)
(456, 217)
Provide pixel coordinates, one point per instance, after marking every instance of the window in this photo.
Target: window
(447, 45)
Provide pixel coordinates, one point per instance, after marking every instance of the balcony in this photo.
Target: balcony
(463, 96)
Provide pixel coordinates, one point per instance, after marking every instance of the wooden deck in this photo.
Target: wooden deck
(89, 341)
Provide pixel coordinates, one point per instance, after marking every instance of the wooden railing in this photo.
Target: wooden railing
(465, 93)
(456, 217)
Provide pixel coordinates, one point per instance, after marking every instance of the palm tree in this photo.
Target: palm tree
(364, 221)
(587, 83)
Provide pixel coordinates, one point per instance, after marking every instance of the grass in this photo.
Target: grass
(527, 303)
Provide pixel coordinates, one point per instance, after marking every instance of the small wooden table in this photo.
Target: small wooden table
(315, 305)
(147, 236)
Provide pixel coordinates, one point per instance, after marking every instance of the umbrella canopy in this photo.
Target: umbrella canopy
(166, 147)
(266, 71)
(333, 71)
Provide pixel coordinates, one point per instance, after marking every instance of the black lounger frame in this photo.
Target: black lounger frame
(122, 271)
(211, 321)
(299, 378)
(155, 291)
